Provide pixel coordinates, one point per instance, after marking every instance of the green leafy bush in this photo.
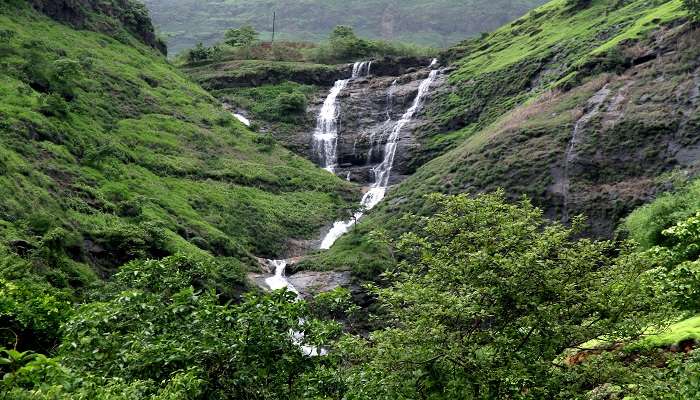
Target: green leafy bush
(344, 46)
(487, 299)
(31, 313)
(693, 7)
(647, 223)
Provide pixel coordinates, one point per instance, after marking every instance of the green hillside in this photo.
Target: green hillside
(435, 23)
(110, 154)
(507, 117)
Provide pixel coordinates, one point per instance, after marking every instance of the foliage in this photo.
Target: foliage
(202, 53)
(243, 36)
(487, 299)
(647, 224)
(117, 148)
(31, 313)
(161, 324)
(344, 45)
(693, 7)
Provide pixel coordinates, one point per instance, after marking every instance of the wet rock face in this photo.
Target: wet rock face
(368, 109)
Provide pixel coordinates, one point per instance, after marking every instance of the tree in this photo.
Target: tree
(241, 37)
(693, 7)
(342, 32)
(486, 301)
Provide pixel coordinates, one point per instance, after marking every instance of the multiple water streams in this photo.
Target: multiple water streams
(325, 139)
(325, 145)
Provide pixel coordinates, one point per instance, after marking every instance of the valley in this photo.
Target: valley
(513, 216)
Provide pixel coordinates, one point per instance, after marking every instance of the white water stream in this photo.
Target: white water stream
(325, 136)
(593, 108)
(382, 172)
(243, 119)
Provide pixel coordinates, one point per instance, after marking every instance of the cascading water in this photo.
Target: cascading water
(376, 191)
(382, 172)
(279, 281)
(388, 123)
(593, 107)
(326, 133)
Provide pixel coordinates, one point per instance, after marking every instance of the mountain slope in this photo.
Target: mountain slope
(107, 154)
(588, 111)
(435, 22)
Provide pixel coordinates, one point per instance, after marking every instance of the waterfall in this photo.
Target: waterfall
(361, 69)
(389, 106)
(326, 133)
(382, 172)
(243, 119)
(593, 108)
(325, 137)
(279, 281)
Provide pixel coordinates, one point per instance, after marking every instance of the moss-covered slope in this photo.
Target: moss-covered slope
(107, 153)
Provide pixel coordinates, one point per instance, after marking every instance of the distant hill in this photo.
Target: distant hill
(435, 22)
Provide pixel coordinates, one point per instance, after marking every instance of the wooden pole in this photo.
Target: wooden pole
(274, 23)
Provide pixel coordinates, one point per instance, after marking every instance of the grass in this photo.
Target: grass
(687, 329)
(131, 159)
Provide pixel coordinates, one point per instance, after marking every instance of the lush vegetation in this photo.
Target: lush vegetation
(512, 105)
(429, 23)
(132, 207)
(487, 301)
(693, 7)
(342, 46)
(109, 155)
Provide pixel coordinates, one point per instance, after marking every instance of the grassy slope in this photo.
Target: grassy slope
(549, 47)
(512, 122)
(435, 22)
(145, 162)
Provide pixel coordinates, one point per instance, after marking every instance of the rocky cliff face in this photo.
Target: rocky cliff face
(368, 109)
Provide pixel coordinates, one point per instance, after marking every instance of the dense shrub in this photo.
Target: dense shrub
(292, 103)
(647, 224)
(487, 299)
(344, 46)
(693, 7)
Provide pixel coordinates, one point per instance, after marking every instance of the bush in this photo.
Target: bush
(33, 311)
(693, 8)
(344, 46)
(54, 105)
(292, 103)
(202, 53)
(646, 224)
(486, 300)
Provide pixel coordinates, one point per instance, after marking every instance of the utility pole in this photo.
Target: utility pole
(274, 23)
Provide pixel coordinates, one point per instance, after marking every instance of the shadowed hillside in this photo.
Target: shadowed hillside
(435, 22)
